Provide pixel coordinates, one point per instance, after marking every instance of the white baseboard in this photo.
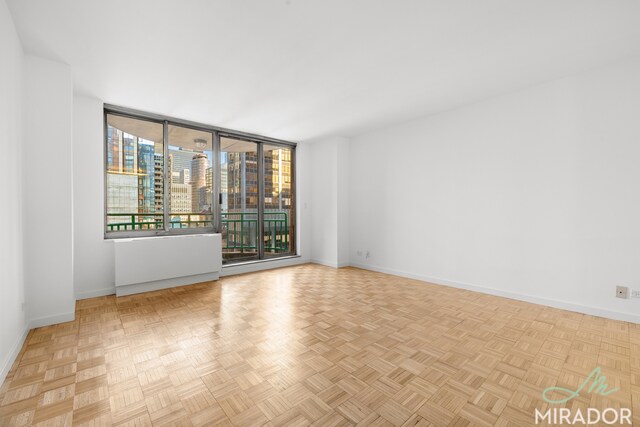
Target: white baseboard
(157, 285)
(52, 320)
(95, 293)
(31, 324)
(330, 263)
(13, 354)
(324, 262)
(233, 269)
(563, 305)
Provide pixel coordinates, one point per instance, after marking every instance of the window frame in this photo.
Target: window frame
(216, 133)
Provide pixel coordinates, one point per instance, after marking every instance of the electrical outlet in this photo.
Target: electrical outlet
(359, 253)
(622, 292)
(635, 293)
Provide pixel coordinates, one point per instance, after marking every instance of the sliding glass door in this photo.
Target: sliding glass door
(256, 199)
(278, 200)
(239, 199)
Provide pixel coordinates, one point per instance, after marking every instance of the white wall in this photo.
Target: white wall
(342, 191)
(12, 320)
(93, 265)
(323, 202)
(47, 184)
(534, 194)
(328, 201)
(304, 161)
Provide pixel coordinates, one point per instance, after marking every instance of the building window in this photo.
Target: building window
(165, 176)
(134, 175)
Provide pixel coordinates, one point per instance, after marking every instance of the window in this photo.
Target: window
(134, 175)
(165, 176)
(190, 157)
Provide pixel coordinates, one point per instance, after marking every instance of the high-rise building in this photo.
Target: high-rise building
(158, 172)
(145, 172)
(209, 188)
(224, 182)
(122, 151)
(242, 173)
(130, 153)
(180, 198)
(277, 171)
(199, 166)
(113, 149)
(179, 193)
(181, 162)
(185, 176)
(122, 194)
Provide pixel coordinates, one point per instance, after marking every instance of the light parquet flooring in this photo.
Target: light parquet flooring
(311, 345)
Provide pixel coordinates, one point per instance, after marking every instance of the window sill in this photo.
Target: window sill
(257, 261)
(129, 236)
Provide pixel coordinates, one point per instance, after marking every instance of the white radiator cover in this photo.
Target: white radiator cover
(152, 263)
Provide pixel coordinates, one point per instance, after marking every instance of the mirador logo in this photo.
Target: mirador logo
(596, 383)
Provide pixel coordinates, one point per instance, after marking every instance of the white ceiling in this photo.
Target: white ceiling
(300, 69)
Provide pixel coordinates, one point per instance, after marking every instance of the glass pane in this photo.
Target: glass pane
(239, 207)
(135, 174)
(278, 200)
(191, 171)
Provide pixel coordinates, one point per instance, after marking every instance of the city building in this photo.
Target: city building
(277, 165)
(242, 181)
(181, 161)
(208, 188)
(122, 194)
(181, 199)
(224, 185)
(199, 166)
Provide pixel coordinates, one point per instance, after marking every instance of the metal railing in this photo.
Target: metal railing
(134, 222)
(240, 232)
(239, 229)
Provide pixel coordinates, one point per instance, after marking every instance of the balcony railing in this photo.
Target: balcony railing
(239, 229)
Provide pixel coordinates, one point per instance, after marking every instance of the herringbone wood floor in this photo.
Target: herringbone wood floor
(314, 345)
